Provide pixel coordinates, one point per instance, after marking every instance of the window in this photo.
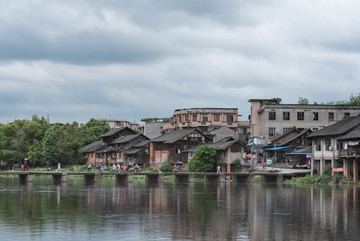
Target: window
(328, 146)
(300, 116)
(272, 115)
(205, 118)
(229, 119)
(179, 118)
(331, 116)
(315, 129)
(317, 145)
(243, 131)
(346, 114)
(186, 118)
(216, 117)
(286, 130)
(194, 118)
(271, 131)
(315, 116)
(286, 115)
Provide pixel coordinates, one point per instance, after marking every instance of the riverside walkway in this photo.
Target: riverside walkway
(158, 177)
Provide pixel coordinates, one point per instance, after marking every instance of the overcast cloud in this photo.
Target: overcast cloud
(78, 59)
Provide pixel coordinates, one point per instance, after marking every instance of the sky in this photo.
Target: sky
(73, 60)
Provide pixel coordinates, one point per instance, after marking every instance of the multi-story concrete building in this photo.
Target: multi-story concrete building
(207, 119)
(269, 118)
(118, 123)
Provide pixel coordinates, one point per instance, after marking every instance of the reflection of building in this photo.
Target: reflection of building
(269, 118)
(118, 123)
(338, 145)
(207, 119)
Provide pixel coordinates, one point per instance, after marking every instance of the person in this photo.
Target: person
(174, 168)
(89, 167)
(26, 167)
(105, 167)
(48, 166)
(59, 167)
(218, 169)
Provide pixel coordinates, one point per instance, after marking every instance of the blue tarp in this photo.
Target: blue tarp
(278, 148)
(299, 153)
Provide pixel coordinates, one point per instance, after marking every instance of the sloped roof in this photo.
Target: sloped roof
(174, 136)
(96, 145)
(132, 151)
(303, 132)
(339, 128)
(220, 145)
(142, 143)
(114, 131)
(125, 139)
(354, 134)
(291, 130)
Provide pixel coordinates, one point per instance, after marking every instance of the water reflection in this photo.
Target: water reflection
(224, 211)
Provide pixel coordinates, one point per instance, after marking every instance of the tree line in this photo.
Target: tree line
(39, 141)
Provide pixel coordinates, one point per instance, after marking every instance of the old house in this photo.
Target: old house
(332, 144)
(103, 151)
(171, 146)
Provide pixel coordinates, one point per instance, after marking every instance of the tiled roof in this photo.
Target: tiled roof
(174, 136)
(125, 139)
(113, 131)
(354, 134)
(96, 145)
(291, 130)
(339, 128)
(304, 132)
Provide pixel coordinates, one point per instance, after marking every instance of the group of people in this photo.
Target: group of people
(114, 167)
(125, 168)
(98, 167)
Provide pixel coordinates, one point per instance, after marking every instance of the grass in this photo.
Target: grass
(320, 180)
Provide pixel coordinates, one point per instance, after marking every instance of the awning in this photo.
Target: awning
(278, 148)
(258, 147)
(299, 153)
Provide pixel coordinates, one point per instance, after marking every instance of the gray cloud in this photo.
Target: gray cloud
(74, 60)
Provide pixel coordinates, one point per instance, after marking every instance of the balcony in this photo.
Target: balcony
(352, 152)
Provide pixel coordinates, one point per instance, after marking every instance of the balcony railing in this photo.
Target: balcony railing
(349, 152)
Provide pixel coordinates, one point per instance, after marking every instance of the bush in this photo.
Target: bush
(166, 167)
(204, 160)
(237, 164)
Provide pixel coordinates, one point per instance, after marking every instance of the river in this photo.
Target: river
(199, 211)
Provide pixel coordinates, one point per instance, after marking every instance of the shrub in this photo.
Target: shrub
(166, 167)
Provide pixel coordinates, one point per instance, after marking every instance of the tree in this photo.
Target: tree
(204, 159)
(93, 129)
(62, 143)
(303, 101)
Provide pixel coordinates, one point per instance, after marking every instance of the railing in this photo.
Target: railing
(349, 152)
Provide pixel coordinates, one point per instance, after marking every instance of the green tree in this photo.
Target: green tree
(62, 143)
(93, 129)
(204, 159)
(22, 139)
(303, 101)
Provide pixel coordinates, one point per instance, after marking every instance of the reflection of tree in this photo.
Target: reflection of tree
(203, 203)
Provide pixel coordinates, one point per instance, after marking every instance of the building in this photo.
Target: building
(118, 123)
(119, 145)
(171, 146)
(152, 129)
(269, 118)
(337, 145)
(207, 119)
